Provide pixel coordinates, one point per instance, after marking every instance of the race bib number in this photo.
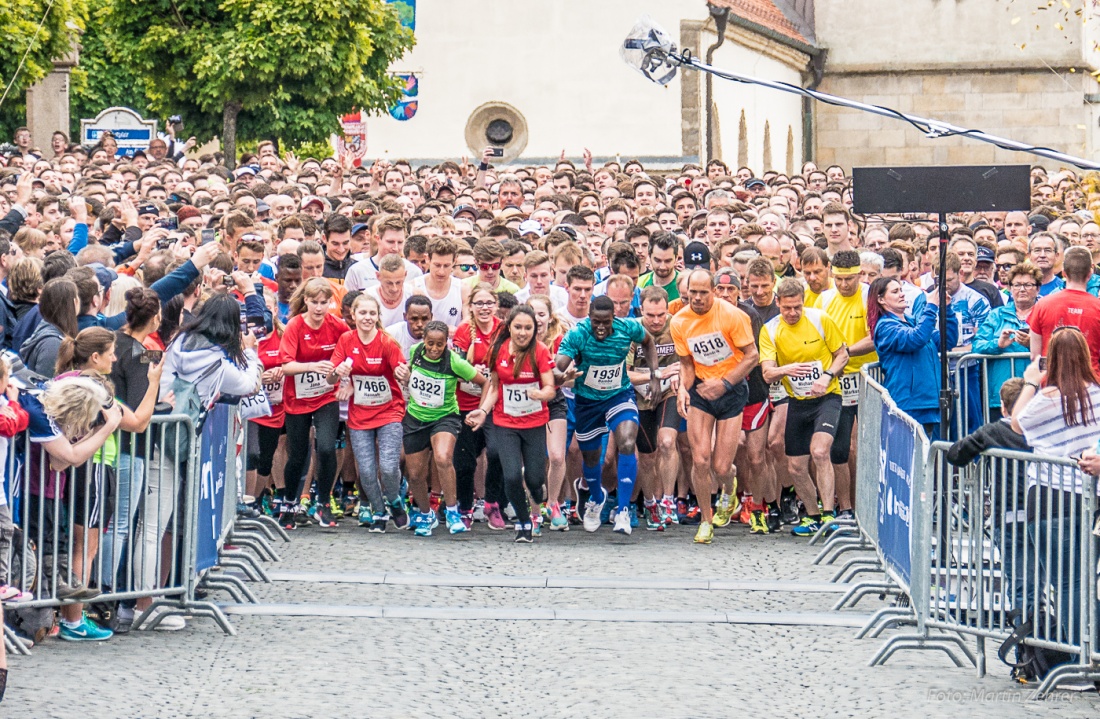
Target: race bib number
(604, 378)
(471, 388)
(710, 349)
(849, 389)
(371, 391)
(776, 391)
(274, 390)
(427, 391)
(311, 384)
(801, 385)
(643, 389)
(516, 401)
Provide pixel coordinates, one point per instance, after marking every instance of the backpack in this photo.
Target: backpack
(1032, 663)
(177, 441)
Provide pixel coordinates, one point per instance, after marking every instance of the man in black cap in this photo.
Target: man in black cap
(696, 256)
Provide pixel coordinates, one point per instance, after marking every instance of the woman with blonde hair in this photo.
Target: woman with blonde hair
(550, 332)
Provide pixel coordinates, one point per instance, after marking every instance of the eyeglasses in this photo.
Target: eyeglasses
(483, 305)
(1006, 266)
(486, 266)
(1028, 286)
(467, 268)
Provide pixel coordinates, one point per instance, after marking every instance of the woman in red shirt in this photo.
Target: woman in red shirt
(472, 340)
(370, 356)
(309, 400)
(521, 383)
(550, 333)
(264, 432)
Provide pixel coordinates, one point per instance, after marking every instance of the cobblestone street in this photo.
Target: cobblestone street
(330, 639)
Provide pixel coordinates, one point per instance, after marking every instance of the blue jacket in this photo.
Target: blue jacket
(909, 355)
(985, 342)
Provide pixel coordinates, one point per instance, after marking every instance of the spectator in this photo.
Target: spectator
(59, 305)
(1072, 306)
(1006, 330)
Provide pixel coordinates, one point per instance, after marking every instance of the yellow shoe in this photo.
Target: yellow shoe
(725, 510)
(705, 533)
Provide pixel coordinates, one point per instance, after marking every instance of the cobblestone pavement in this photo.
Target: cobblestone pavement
(356, 666)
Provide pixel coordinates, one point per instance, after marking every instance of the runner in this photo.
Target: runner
(310, 401)
(803, 348)
(418, 313)
(266, 433)
(447, 293)
(390, 289)
(658, 421)
(370, 357)
(716, 350)
(431, 424)
(522, 381)
(597, 347)
(551, 332)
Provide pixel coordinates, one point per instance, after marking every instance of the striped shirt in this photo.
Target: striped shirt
(1047, 433)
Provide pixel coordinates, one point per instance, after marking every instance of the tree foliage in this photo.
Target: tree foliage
(19, 20)
(260, 68)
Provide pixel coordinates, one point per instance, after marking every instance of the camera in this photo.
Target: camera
(229, 282)
(164, 243)
(175, 120)
(496, 151)
(169, 223)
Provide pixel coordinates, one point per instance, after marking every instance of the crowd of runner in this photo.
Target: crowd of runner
(550, 347)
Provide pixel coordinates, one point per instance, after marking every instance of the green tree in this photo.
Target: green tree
(27, 52)
(260, 68)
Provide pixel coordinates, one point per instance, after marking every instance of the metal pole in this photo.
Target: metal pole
(945, 381)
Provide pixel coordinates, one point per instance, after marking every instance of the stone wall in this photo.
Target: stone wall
(1041, 107)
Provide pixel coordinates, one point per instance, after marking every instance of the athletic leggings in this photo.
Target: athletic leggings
(326, 423)
(522, 454)
(378, 454)
(262, 443)
(468, 447)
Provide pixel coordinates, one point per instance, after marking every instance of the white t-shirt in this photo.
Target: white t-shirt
(447, 310)
(390, 316)
(1047, 433)
(364, 274)
(400, 332)
(559, 296)
(570, 321)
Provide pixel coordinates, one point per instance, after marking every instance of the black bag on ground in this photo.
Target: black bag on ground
(1032, 663)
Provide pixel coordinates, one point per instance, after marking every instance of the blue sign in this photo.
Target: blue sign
(895, 493)
(214, 449)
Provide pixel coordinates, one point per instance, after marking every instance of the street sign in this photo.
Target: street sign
(131, 131)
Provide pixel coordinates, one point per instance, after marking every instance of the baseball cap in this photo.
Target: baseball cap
(530, 227)
(359, 227)
(262, 206)
(985, 255)
(696, 256)
(567, 229)
(104, 274)
(148, 209)
(755, 181)
(468, 209)
(311, 199)
(244, 170)
(1038, 222)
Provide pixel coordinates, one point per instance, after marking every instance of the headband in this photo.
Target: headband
(845, 271)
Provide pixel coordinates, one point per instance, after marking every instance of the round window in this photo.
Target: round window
(499, 132)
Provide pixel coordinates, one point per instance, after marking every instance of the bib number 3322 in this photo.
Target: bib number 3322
(427, 391)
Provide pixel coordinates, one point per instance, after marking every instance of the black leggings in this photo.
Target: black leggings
(326, 423)
(522, 454)
(261, 452)
(468, 447)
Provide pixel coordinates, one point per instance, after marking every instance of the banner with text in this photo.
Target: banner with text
(214, 448)
(895, 526)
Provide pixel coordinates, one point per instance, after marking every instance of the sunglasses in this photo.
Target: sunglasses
(1006, 266)
(467, 268)
(486, 266)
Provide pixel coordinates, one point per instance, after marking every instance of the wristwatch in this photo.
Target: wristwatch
(833, 376)
(727, 384)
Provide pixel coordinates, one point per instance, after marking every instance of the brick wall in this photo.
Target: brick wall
(1037, 107)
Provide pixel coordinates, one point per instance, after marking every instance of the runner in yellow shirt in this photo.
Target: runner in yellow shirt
(804, 348)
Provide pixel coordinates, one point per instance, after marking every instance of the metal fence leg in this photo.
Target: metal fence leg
(845, 545)
(869, 564)
(268, 528)
(211, 611)
(861, 589)
(844, 527)
(1080, 672)
(256, 543)
(246, 563)
(232, 585)
(885, 613)
(944, 643)
(14, 643)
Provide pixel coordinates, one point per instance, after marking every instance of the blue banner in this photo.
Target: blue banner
(895, 493)
(214, 448)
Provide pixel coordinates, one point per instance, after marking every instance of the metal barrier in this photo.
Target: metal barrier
(976, 380)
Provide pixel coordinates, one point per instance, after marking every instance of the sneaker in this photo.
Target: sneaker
(335, 508)
(536, 525)
(303, 511)
(829, 522)
(244, 511)
(654, 522)
(668, 508)
(366, 516)
(467, 517)
(434, 500)
(788, 509)
(607, 514)
(288, 517)
(592, 512)
(758, 523)
(524, 534)
(747, 508)
(558, 522)
(398, 514)
(622, 521)
(268, 504)
(846, 514)
(170, 623)
(773, 520)
(495, 519)
(455, 525)
(423, 523)
(724, 512)
(807, 527)
(76, 591)
(9, 594)
(633, 509)
(692, 514)
(704, 534)
(582, 492)
(324, 517)
(479, 511)
(378, 523)
(85, 631)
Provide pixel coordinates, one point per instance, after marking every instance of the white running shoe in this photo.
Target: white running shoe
(622, 521)
(592, 513)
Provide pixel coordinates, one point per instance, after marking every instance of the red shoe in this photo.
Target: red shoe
(747, 506)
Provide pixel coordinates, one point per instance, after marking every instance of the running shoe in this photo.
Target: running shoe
(747, 508)
(829, 522)
(350, 505)
(479, 511)
(724, 511)
(366, 516)
(774, 523)
(378, 523)
(435, 500)
(302, 513)
(268, 504)
(325, 520)
(668, 507)
(335, 508)
(536, 524)
(398, 514)
(654, 522)
(455, 525)
(607, 514)
(10, 595)
(423, 522)
(85, 631)
(692, 514)
(467, 517)
(705, 533)
(288, 517)
(495, 518)
(845, 514)
(592, 513)
(524, 534)
(807, 527)
(788, 509)
(758, 523)
(558, 522)
(633, 509)
(622, 521)
(581, 488)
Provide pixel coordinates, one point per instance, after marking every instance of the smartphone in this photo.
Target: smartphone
(229, 282)
(254, 325)
(496, 151)
(207, 235)
(150, 356)
(169, 223)
(164, 243)
(1042, 364)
